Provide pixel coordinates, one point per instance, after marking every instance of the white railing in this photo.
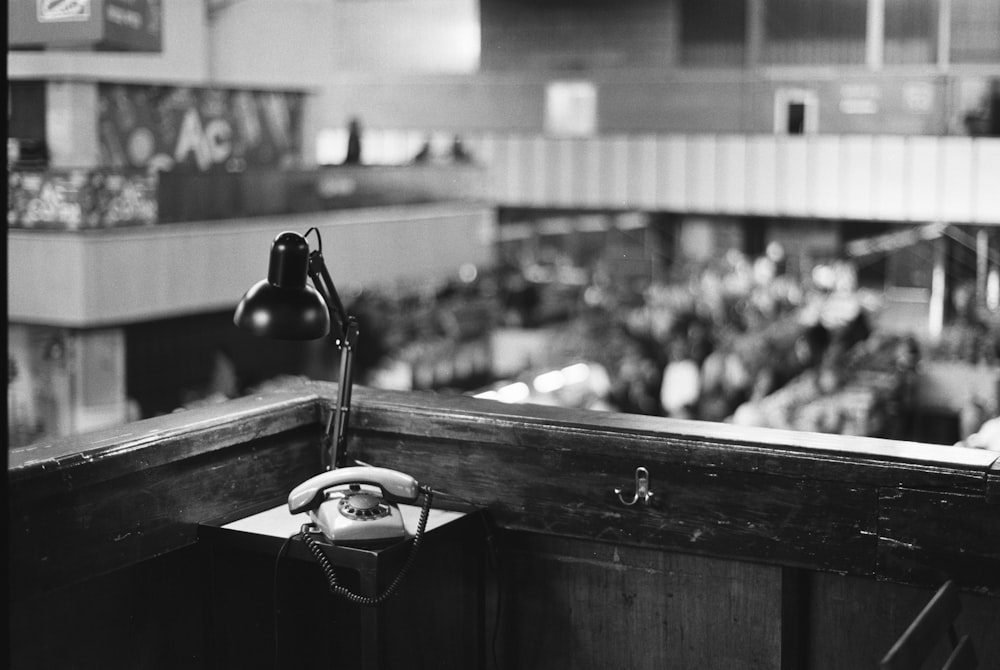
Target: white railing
(883, 177)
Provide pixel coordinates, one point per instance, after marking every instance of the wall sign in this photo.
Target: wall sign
(860, 98)
(165, 128)
(111, 25)
(570, 109)
(51, 11)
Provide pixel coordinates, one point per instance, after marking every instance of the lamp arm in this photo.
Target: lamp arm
(334, 442)
(335, 438)
(324, 284)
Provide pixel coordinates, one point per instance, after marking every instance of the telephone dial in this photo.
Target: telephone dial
(357, 504)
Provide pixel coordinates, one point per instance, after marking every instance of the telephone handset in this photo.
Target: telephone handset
(356, 505)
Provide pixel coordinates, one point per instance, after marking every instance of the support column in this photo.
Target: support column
(755, 22)
(674, 26)
(875, 36)
(939, 290)
(982, 265)
(944, 35)
(71, 132)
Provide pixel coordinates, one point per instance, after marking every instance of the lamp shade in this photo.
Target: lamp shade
(284, 306)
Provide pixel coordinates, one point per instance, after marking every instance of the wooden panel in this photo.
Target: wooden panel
(861, 461)
(95, 504)
(96, 529)
(795, 601)
(911, 523)
(795, 499)
(986, 175)
(694, 576)
(577, 604)
(853, 622)
(434, 620)
(957, 179)
(151, 615)
(783, 520)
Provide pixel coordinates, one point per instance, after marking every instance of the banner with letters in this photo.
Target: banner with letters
(192, 129)
(80, 199)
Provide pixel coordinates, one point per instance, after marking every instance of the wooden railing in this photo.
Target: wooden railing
(759, 548)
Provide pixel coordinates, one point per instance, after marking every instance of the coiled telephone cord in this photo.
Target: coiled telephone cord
(371, 601)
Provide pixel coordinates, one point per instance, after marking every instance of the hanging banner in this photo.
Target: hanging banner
(79, 199)
(108, 25)
(166, 128)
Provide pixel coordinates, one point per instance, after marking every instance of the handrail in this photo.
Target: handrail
(893, 510)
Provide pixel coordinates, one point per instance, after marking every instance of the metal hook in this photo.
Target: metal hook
(642, 491)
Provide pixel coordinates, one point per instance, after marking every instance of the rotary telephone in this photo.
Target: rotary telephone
(356, 505)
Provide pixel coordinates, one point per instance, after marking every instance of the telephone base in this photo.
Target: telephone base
(380, 531)
(358, 543)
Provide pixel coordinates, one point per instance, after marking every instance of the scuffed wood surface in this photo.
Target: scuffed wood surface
(790, 499)
(819, 502)
(932, 536)
(697, 443)
(144, 444)
(99, 503)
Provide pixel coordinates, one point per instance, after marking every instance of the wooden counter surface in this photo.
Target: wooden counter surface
(790, 548)
(893, 510)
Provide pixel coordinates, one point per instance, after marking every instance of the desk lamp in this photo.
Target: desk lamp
(284, 307)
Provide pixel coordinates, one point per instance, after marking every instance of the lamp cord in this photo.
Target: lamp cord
(331, 575)
(319, 239)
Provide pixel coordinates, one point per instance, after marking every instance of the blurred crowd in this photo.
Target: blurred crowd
(739, 340)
